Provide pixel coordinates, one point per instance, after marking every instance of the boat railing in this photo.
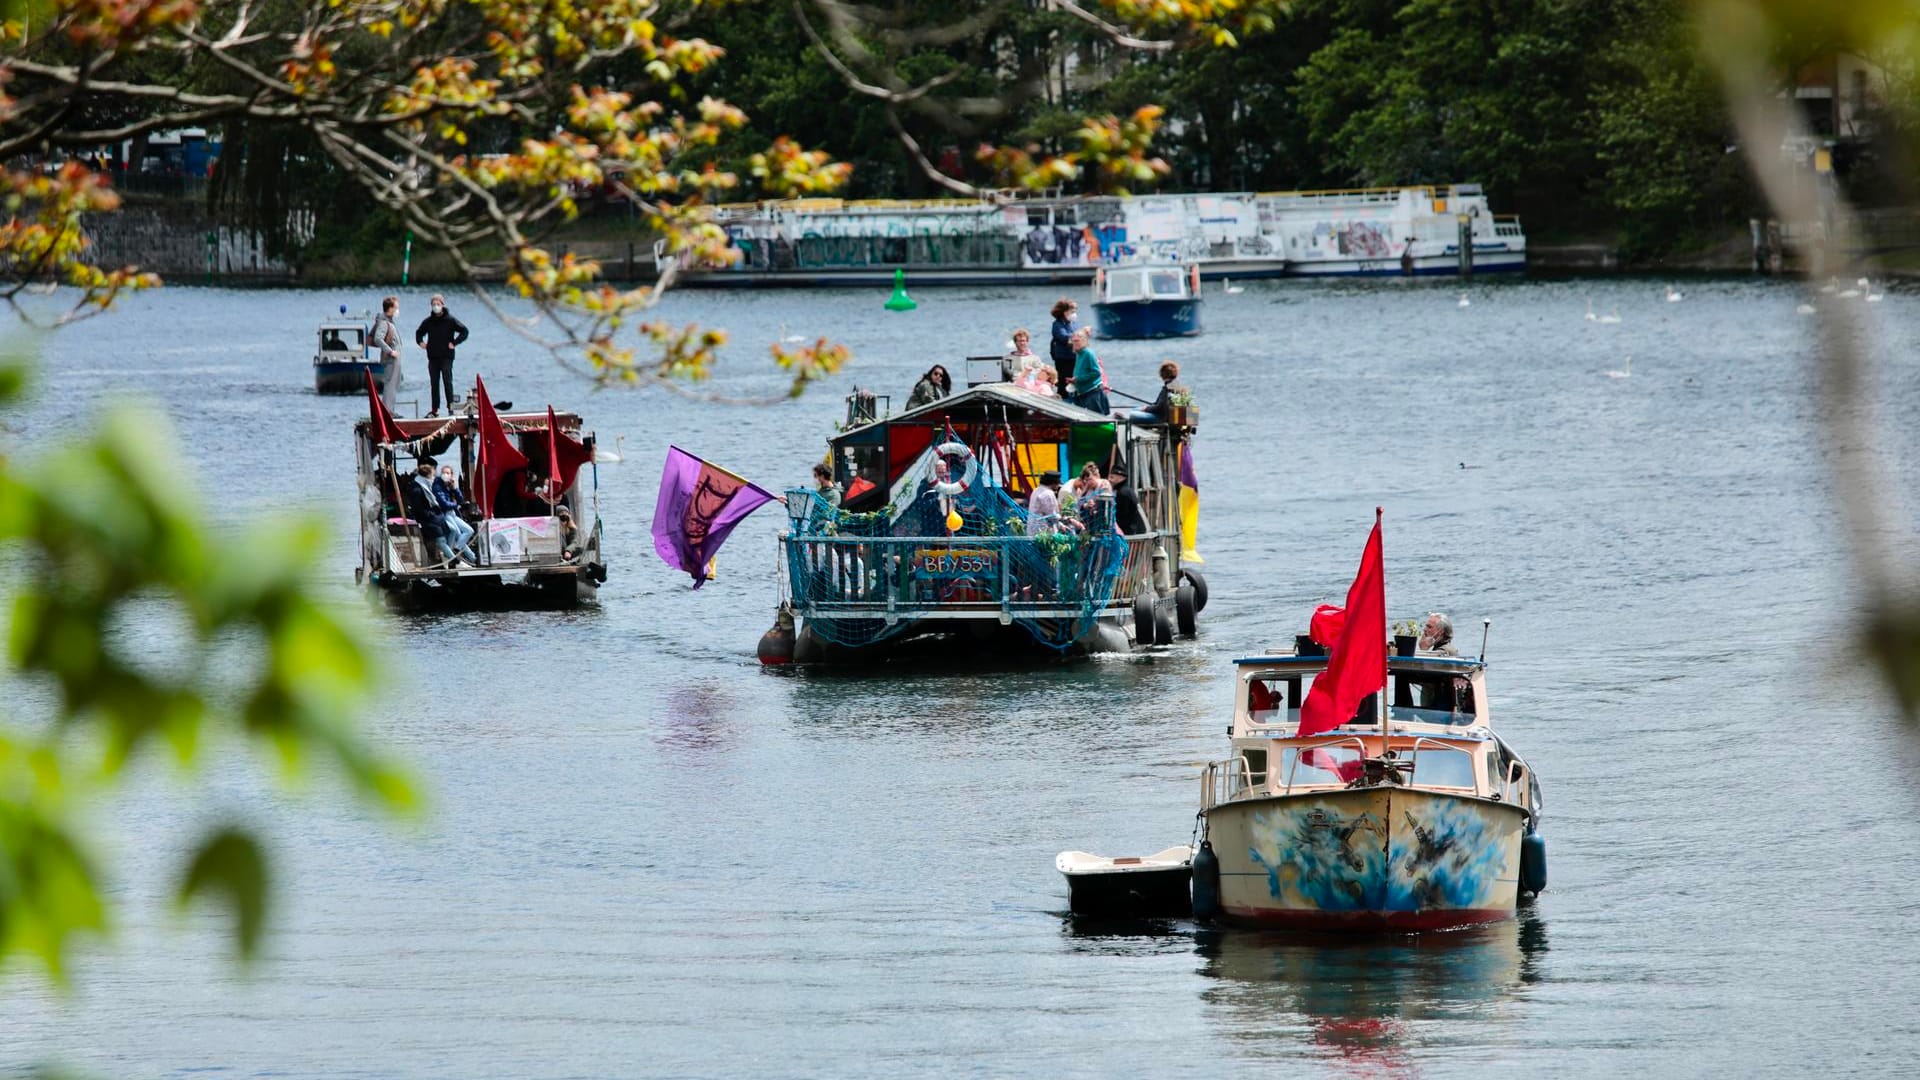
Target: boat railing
(1009, 576)
(1507, 227)
(1229, 779)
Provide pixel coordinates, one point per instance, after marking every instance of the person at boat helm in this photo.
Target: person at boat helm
(1436, 635)
(425, 511)
(438, 333)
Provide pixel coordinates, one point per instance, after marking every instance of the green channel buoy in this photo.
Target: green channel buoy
(900, 301)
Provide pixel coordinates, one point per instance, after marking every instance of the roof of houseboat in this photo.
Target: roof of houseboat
(990, 401)
(419, 426)
(1402, 662)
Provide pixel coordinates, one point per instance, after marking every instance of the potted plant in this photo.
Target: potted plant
(1406, 636)
(1182, 412)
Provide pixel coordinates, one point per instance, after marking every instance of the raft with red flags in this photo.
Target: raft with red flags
(484, 508)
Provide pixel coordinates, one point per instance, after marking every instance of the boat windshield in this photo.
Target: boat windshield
(1126, 285)
(1442, 766)
(1337, 764)
(1166, 283)
(1272, 699)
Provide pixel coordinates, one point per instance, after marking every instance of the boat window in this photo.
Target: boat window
(1432, 699)
(1273, 699)
(1166, 283)
(1338, 764)
(1442, 766)
(1125, 285)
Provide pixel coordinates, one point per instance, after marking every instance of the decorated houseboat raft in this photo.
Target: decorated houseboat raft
(530, 493)
(932, 539)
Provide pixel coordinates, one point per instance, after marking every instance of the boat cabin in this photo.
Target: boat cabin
(1431, 729)
(1126, 284)
(342, 341)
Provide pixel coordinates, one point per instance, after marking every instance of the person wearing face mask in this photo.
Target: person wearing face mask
(446, 490)
(438, 333)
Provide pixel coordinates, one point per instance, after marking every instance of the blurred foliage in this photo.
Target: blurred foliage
(100, 532)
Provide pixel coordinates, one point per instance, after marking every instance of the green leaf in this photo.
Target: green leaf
(231, 867)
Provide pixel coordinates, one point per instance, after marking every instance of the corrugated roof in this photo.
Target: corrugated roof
(989, 400)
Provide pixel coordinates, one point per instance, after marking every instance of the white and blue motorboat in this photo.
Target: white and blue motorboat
(1147, 300)
(342, 359)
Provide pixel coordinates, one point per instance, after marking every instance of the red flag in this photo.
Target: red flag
(565, 455)
(1326, 624)
(1357, 664)
(498, 455)
(383, 429)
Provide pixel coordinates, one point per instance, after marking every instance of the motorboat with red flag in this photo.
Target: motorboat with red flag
(525, 492)
(1366, 788)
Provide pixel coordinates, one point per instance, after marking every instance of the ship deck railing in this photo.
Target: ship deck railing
(954, 577)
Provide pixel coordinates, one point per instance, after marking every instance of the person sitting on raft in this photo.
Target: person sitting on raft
(1162, 407)
(933, 386)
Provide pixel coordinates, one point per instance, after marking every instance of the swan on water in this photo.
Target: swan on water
(794, 339)
(1590, 315)
(1227, 286)
(1847, 294)
(1803, 309)
(1832, 284)
(1673, 295)
(1464, 302)
(1875, 297)
(1624, 374)
(1611, 317)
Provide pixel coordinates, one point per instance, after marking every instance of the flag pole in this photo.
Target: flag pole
(1386, 663)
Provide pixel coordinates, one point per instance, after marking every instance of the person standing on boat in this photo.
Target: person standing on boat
(439, 333)
(386, 337)
(823, 485)
(1089, 378)
(1061, 347)
(1043, 506)
(933, 386)
(1162, 406)
(1126, 503)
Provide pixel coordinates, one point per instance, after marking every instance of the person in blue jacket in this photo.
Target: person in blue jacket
(1059, 349)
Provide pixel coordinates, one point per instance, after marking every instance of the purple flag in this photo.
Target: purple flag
(699, 505)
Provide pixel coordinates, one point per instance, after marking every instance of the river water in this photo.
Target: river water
(645, 856)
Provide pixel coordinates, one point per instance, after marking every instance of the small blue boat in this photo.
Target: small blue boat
(1153, 300)
(341, 361)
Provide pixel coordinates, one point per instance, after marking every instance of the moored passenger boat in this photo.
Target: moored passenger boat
(340, 361)
(1147, 300)
(933, 537)
(1413, 815)
(530, 493)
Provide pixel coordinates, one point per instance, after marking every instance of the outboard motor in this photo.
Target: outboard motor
(1206, 882)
